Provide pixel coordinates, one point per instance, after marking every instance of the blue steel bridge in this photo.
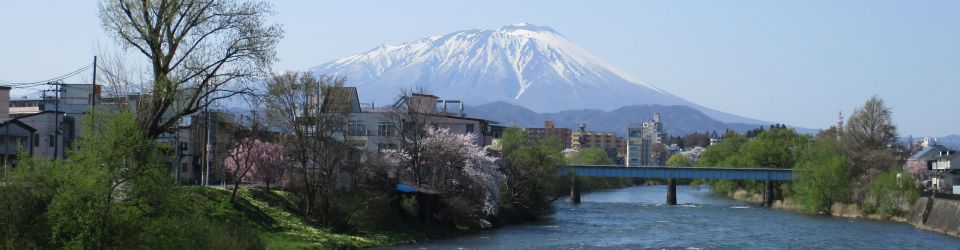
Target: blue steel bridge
(663, 172)
(768, 175)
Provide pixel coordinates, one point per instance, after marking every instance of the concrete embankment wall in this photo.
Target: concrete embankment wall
(943, 215)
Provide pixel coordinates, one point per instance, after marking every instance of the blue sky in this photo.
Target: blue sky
(792, 62)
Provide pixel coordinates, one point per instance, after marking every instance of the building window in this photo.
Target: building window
(183, 167)
(385, 128)
(36, 140)
(469, 128)
(356, 128)
(384, 146)
(51, 140)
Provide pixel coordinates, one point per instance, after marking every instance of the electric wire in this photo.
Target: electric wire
(55, 79)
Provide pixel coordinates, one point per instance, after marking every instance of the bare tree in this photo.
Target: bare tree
(870, 127)
(869, 135)
(198, 50)
(412, 119)
(311, 114)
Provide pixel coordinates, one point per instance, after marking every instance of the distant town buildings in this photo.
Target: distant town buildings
(549, 131)
(608, 141)
(641, 140)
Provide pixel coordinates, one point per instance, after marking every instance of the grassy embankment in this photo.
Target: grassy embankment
(273, 217)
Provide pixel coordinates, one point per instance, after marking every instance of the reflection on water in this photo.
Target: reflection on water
(635, 218)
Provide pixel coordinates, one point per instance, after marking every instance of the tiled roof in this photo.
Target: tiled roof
(928, 153)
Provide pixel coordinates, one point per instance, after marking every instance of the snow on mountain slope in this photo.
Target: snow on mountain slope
(524, 64)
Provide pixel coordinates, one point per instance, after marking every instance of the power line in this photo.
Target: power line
(55, 79)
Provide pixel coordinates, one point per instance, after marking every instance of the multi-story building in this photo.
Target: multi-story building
(641, 140)
(377, 129)
(55, 116)
(549, 131)
(608, 141)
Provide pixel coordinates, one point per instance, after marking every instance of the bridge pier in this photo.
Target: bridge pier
(575, 190)
(768, 193)
(671, 192)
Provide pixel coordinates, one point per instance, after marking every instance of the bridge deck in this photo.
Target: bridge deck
(681, 172)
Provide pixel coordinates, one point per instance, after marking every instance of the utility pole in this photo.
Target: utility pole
(6, 145)
(177, 148)
(93, 92)
(209, 146)
(839, 124)
(56, 122)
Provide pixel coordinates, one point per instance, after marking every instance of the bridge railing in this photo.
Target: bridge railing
(665, 172)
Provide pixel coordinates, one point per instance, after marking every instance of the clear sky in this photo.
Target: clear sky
(797, 63)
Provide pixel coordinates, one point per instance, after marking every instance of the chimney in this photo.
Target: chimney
(548, 124)
(423, 103)
(4, 101)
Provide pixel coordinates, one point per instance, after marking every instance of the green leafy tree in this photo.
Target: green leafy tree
(774, 148)
(23, 225)
(530, 178)
(891, 194)
(822, 175)
(725, 153)
(590, 156)
(678, 160)
(112, 192)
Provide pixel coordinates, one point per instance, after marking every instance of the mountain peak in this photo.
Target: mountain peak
(526, 27)
(522, 64)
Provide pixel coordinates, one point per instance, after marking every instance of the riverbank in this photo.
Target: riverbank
(938, 215)
(271, 215)
(837, 209)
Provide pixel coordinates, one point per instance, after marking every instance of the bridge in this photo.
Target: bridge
(768, 175)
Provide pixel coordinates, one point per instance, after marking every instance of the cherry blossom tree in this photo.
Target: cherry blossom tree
(451, 165)
(271, 166)
(254, 160)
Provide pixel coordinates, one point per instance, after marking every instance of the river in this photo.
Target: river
(635, 218)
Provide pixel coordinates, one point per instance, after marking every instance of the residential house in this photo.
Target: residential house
(945, 176)
(921, 164)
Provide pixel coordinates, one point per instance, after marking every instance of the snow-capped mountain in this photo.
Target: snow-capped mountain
(524, 64)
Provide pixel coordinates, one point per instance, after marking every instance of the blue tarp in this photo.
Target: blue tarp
(406, 188)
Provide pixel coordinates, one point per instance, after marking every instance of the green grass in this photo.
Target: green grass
(273, 217)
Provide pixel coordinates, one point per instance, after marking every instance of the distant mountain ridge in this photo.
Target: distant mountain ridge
(677, 119)
(524, 64)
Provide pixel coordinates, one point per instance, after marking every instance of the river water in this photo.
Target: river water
(635, 218)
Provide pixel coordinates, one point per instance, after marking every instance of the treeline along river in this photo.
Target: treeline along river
(635, 218)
